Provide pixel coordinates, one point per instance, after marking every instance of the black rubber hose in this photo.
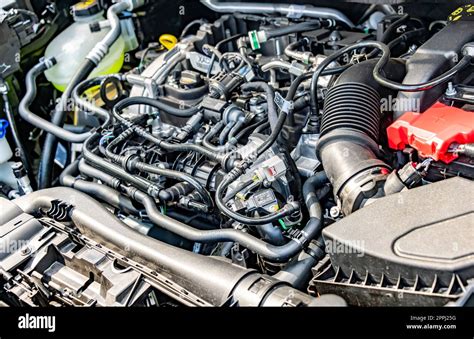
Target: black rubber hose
(262, 86)
(295, 84)
(51, 142)
(378, 70)
(141, 166)
(406, 36)
(273, 135)
(183, 113)
(18, 143)
(34, 119)
(296, 28)
(446, 76)
(262, 127)
(58, 117)
(268, 251)
(388, 33)
(107, 195)
(227, 40)
(272, 234)
(298, 271)
(310, 188)
(116, 170)
(188, 147)
(98, 191)
(206, 141)
(225, 132)
(238, 171)
(98, 174)
(191, 24)
(238, 125)
(250, 128)
(392, 27)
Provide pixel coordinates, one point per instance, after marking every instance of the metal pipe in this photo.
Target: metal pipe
(102, 47)
(290, 10)
(275, 64)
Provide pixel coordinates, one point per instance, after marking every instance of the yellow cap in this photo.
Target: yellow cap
(168, 40)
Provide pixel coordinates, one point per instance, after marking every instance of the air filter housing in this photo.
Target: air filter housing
(425, 234)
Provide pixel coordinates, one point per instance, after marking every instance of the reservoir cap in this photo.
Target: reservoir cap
(86, 8)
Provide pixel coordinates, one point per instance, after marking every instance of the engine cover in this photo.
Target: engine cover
(424, 234)
(432, 133)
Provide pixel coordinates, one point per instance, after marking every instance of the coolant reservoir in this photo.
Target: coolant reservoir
(73, 44)
(5, 150)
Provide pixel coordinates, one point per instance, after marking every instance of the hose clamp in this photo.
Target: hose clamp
(298, 236)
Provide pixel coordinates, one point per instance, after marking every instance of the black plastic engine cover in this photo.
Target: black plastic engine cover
(425, 234)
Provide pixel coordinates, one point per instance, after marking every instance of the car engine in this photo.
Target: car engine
(266, 154)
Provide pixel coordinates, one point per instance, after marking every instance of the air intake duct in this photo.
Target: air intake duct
(214, 280)
(350, 129)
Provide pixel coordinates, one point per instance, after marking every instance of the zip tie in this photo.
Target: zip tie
(283, 104)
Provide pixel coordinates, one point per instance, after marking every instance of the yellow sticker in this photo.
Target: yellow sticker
(462, 12)
(457, 11)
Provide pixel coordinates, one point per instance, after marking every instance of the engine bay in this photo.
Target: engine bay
(266, 154)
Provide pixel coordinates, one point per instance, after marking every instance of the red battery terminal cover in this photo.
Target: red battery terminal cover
(433, 132)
